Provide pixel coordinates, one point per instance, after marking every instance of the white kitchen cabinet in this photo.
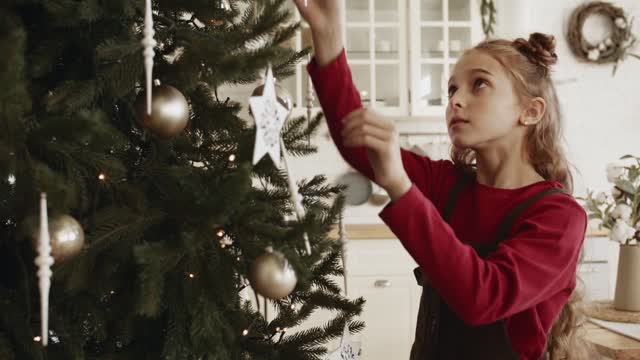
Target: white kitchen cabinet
(387, 314)
(440, 30)
(376, 47)
(381, 271)
(595, 270)
(400, 52)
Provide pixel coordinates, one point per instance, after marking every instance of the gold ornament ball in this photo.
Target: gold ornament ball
(282, 96)
(272, 276)
(169, 111)
(67, 237)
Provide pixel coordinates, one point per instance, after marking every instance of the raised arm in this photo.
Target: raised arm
(537, 262)
(364, 138)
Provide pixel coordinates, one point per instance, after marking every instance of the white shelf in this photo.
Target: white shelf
(358, 25)
(437, 61)
(459, 24)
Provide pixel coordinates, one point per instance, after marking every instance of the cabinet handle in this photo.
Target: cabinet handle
(382, 283)
(589, 269)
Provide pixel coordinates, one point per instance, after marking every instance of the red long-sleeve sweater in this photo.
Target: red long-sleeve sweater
(526, 281)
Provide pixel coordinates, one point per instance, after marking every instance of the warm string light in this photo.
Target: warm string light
(245, 332)
(102, 176)
(232, 161)
(192, 275)
(281, 335)
(37, 338)
(280, 331)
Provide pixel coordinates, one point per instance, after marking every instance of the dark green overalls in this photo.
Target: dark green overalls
(440, 333)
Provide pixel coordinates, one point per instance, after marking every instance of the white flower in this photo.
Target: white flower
(594, 54)
(622, 212)
(614, 172)
(621, 231)
(602, 47)
(621, 23)
(608, 42)
(601, 197)
(616, 193)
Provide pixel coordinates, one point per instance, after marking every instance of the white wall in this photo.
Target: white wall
(602, 113)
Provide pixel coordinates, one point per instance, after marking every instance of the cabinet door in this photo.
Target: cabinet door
(595, 277)
(440, 31)
(376, 43)
(387, 314)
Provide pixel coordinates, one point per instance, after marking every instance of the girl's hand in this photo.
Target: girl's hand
(320, 14)
(324, 19)
(378, 135)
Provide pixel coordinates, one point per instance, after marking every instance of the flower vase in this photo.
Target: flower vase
(627, 296)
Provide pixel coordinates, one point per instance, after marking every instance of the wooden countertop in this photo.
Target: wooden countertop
(381, 231)
(610, 344)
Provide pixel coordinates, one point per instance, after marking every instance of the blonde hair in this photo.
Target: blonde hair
(528, 63)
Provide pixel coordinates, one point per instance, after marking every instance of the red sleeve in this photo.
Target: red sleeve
(339, 97)
(536, 262)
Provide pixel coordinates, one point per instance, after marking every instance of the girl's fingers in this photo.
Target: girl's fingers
(307, 9)
(358, 120)
(370, 142)
(352, 115)
(379, 134)
(360, 124)
(364, 116)
(368, 129)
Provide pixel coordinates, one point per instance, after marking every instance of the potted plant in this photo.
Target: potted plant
(619, 212)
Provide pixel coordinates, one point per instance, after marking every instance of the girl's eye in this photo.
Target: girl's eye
(479, 82)
(452, 90)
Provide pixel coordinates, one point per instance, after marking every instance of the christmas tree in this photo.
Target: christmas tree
(173, 220)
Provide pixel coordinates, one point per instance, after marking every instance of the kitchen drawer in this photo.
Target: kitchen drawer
(388, 315)
(378, 257)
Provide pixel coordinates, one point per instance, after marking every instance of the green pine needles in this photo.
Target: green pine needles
(152, 281)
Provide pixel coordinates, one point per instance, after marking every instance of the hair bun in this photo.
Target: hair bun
(540, 49)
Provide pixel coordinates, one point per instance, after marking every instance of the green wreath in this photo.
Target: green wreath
(613, 49)
(488, 14)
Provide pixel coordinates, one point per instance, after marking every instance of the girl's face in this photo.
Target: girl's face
(483, 106)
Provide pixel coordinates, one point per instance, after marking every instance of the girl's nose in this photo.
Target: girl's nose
(456, 100)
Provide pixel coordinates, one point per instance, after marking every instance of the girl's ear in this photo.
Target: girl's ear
(534, 111)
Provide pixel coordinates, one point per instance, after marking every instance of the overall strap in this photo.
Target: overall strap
(449, 205)
(505, 226)
(454, 194)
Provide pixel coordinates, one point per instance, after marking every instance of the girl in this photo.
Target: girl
(496, 232)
